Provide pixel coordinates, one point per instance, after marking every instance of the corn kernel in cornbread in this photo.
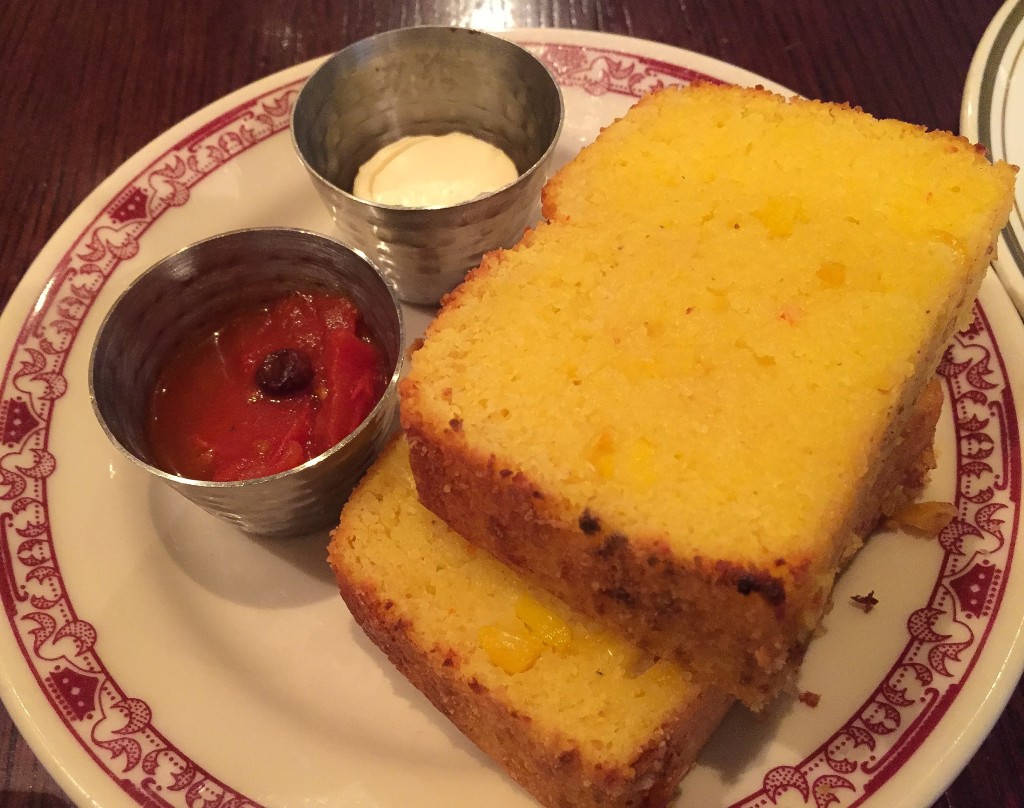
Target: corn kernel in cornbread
(573, 712)
(673, 402)
(511, 650)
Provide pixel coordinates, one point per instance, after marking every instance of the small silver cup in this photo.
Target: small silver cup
(193, 290)
(428, 81)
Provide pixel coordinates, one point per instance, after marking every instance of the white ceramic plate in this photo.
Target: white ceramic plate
(153, 656)
(992, 113)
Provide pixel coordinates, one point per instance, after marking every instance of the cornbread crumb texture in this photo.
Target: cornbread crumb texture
(709, 339)
(581, 687)
(740, 628)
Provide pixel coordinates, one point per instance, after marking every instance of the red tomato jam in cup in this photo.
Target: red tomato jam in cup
(267, 390)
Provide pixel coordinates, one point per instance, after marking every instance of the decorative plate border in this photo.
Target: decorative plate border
(946, 634)
(114, 728)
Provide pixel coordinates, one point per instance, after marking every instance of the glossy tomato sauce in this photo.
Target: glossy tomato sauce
(272, 387)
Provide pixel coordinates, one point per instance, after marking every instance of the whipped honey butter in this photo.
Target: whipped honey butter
(426, 171)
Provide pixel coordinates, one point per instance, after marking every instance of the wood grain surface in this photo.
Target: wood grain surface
(84, 85)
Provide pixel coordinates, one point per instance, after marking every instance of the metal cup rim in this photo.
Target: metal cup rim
(252, 481)
(537, 165)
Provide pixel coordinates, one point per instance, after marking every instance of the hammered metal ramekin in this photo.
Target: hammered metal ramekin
(428, 81)
(192, 290)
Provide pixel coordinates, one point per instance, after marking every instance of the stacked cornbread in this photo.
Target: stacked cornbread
(673, 411)
(678, 403)
(571, 710)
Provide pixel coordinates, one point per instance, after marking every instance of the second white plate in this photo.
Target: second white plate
(992, 113)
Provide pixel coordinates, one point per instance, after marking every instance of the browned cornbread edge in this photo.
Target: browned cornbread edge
(635, 583)
(551, 769)
(905, 476)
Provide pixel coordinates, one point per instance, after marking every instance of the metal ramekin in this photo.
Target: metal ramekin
(192, 290)
(419, 81)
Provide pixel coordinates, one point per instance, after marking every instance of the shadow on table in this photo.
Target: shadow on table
(23, 799)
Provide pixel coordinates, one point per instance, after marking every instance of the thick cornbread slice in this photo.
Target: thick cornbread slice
(575, 714)
(675, 403)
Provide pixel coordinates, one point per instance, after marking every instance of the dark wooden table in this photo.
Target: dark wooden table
(83, 85)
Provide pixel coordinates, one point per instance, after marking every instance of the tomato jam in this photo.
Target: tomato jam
(270, 388)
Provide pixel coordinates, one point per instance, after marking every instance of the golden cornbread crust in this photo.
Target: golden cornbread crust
(681, 401)
(555, 773)
(534, 747)
(634, 582)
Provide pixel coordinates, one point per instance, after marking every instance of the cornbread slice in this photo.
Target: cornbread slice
(675, 403)
(574, 713)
